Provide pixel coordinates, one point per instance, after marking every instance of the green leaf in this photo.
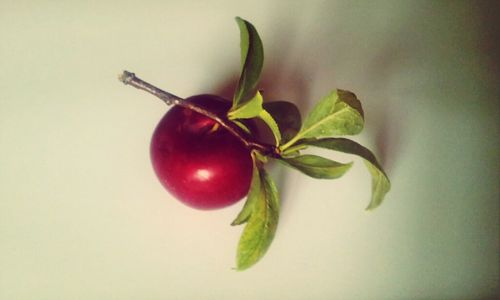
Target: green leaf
(242, 126)
(252, 198)
(250, 109)
(252, 60)
(261, 226)
(317, 166)
(380, 185)
(253, 108)
(271, 123)
(287, 117)
(339, 113)
(380, 182)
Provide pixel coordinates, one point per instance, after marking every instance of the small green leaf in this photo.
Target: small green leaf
(271, 123)
(252, 60)
(380, 185)
(380, 182)
(261, 227)
(252, 198)
(287, 117)
(242, 126)
(253, 108)
(317, 166)
(250, 109)
(259, 157)
(339, 113)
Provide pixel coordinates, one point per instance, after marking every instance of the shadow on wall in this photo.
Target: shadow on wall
(489, 38)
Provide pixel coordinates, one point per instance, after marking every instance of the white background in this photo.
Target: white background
(82, 215)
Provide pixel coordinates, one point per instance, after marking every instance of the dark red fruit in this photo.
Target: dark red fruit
(199, 162)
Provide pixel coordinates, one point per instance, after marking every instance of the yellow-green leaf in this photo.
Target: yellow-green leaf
(317, 166)
(252, 198)
(339, 113)
(380, 182)
(254, 109)
(287, 117)
(271, 123)
(250, 109)
(261, 226)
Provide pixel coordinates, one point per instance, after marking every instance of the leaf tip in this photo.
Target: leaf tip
(242, 265)
(240, 21)
(238, 221)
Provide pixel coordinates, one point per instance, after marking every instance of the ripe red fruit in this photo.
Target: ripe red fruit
(198, 161)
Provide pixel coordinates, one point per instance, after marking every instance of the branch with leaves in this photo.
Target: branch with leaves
(336, 115)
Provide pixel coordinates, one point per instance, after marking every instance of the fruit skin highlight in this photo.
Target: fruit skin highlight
(198, 161)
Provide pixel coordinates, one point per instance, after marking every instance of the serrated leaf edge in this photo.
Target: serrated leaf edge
(305, 130)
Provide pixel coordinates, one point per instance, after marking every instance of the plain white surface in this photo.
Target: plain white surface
(82, 215)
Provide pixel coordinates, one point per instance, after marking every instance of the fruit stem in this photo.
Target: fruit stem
(129, 78)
